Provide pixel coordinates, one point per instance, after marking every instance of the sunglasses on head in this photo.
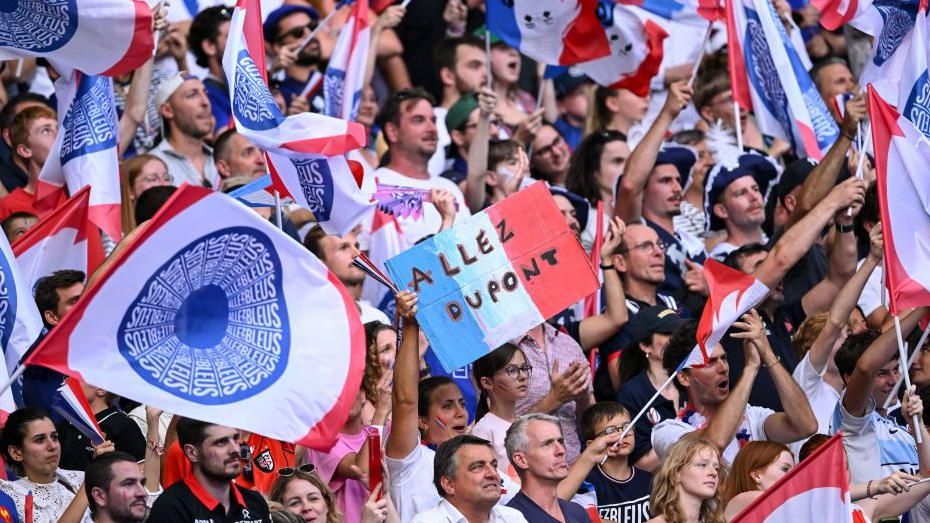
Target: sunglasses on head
(286, 472)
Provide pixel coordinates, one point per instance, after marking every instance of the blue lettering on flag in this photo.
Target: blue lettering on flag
(90, 123)
(917, 107)
(7, 302)
(38, 26)
(898, 17)
(252, 103)
(334, 85)
(316, 182)
(211, 324)
(760, 68)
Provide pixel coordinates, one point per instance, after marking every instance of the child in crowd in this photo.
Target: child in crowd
(687, 487)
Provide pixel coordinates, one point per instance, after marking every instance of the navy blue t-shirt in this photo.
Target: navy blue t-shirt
(633, 395)
(220, 106)
(572, 512)
(623, 501)
(675, 256)
(571, 134)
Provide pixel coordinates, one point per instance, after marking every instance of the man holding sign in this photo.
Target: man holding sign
(497, 277)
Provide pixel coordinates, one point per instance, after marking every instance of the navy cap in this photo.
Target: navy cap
(568, 81)
(270, 26)
(580, 204)
(795, 174)
(720, 176)
(650, 320)
(683, 158)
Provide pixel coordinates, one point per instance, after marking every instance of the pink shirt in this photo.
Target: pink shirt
(350, 494)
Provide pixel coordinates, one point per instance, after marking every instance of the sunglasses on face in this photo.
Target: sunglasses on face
(296, 33)
(286, 472)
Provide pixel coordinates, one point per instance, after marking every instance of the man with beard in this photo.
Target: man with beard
(115, 488)
(409, 127)
(208, 493)
(651, 189)
(537, 451)
(236, 156)
(185, 110)
(206, 39)
(466, 478)
(285, 29)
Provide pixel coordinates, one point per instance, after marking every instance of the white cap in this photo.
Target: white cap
(169, 85)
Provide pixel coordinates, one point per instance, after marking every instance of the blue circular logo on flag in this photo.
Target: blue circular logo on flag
(211, 324)
(917, 107)
(39, 26)
(90, 123)
(7, 302)
(760, 68)
(316, 182)
(898, 18)
(252, 103)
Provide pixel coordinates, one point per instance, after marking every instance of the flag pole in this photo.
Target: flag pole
(738, 125)
(487, 56)
(13, 377)
(902, 358)
(910, 362)
(700, 58)
(278, 213)
(863, 150)
(306, 41)
(642, 411)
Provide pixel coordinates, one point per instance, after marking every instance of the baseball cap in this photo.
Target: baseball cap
(270, 26)
(479, 33)
(460, 110)
(650, 320)
(683, 158)
(721, 176)
(169, 85)
(794, 175)
(568, 81)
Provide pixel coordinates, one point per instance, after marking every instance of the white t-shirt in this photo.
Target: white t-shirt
(670, 431)
(494, 429)
(369, 313)
(820, 394)
(446, 513)
(437, 162)
(871, 298)
(876, 446)
(429, 223)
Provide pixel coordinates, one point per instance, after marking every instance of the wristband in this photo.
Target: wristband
(850, 138)
(868, 489)
(843, 228)
(770, 365)
(606, 267)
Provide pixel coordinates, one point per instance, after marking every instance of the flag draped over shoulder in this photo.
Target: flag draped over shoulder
(553, 32)
(105, 37)
(304, 151)
(85, 151)
(902, 155)
(345, 73)
(212, 312)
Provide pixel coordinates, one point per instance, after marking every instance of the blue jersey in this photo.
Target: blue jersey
(623, 501)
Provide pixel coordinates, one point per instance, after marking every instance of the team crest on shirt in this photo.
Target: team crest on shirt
(653, 415)
(264, 461)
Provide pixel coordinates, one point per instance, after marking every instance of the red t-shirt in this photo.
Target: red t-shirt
(17, 201)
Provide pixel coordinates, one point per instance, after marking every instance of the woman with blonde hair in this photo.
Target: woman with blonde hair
(136, 175)
(758, 465)
(686, 488)
(301, 491)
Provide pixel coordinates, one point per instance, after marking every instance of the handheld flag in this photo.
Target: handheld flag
(386, 241)
(914, 87)
(765, 63)
(345, 74)
(553, 32)
(732, 294)
(688, 12)
(63, 239)
(815, 490)
(214, 313)
(635, 50)
(902, 154)
(85, 151)
(255, 193)
(494, 276)
(72, 405)
(20, 323)
(106, 37)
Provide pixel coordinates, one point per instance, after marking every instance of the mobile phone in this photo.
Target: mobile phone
(374, 461)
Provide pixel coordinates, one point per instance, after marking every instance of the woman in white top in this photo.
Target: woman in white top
(502, 376)
(30, 447)
(687, 487)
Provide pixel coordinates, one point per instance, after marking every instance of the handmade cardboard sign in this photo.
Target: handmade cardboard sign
(494, 276)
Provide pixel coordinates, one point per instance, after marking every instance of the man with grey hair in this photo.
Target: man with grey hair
(465, 475)
(536, 450)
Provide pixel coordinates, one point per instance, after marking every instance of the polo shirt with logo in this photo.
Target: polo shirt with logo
(188, 502)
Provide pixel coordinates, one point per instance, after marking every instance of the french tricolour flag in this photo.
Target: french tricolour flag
(816, 490)
(635, 50)
(20, 323)
(553, 32)
(386, 241)
(914, 88)
(345, 74)
(902, 154)
(687, 12)
(72, 405)
(212, 312)
(106, 37)
(85, 151)
(63, 239)
(768, 73)
(304, 151)
(732, 294)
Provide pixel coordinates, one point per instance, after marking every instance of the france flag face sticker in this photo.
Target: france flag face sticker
(209, 324)
(40, 26)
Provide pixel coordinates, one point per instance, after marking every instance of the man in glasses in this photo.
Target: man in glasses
(208, 493)
(286, 30)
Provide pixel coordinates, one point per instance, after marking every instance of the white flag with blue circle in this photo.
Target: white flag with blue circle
(20, 323)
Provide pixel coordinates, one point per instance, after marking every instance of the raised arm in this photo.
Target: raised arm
(844, 304)
(798, 239)
(823, 177)
(404, 435)
(475, 183)
(137, 99)
(597, 329)
(629, 198)
(880, 352)
(151, 468)
(842, 266)
(387, 20)
(589, 458)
